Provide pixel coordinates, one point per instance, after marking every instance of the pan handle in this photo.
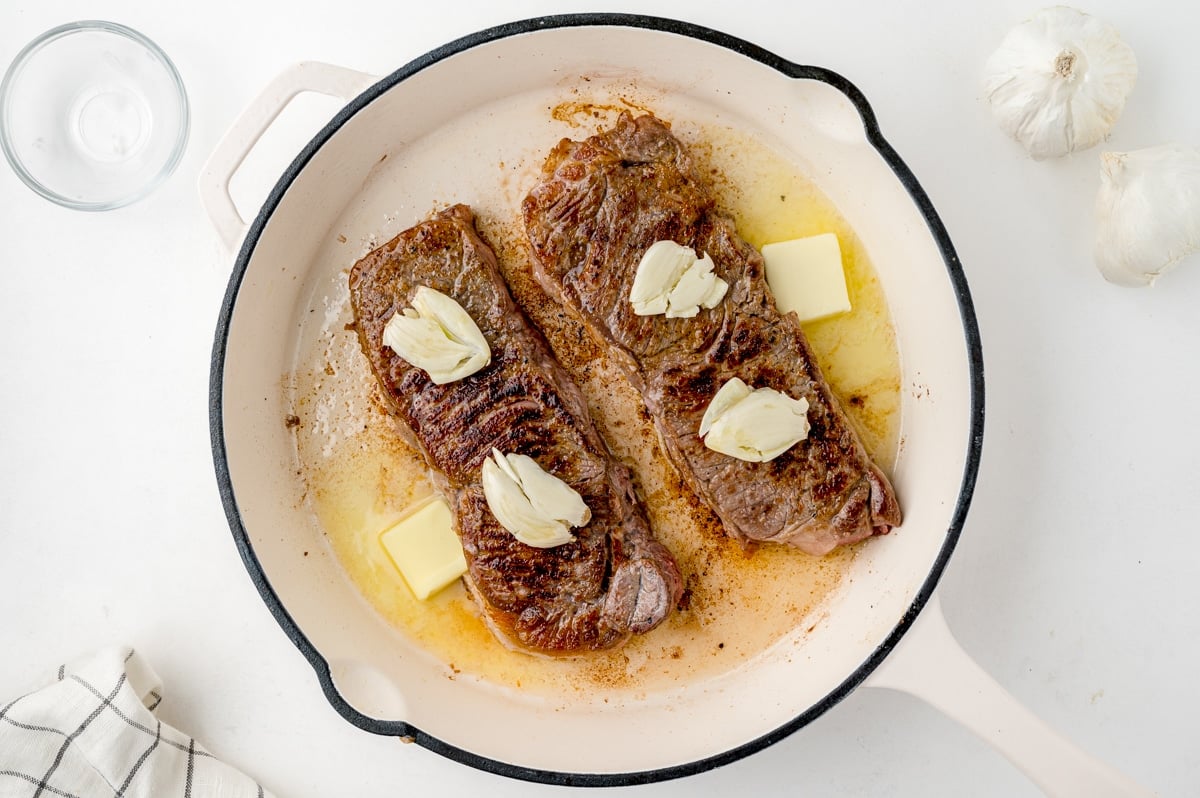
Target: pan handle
(231, 151)
(931, 665)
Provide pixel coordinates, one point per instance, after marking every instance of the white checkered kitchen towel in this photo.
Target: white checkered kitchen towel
(92, 733)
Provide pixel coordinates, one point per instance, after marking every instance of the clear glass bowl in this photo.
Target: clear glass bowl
(93, 115)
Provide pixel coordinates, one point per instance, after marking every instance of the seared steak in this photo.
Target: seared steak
(601, 203)
(615, 578)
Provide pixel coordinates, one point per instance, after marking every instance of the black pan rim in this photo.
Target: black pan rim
(958, 281)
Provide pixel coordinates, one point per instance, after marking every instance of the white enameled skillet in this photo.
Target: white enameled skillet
(443, 121)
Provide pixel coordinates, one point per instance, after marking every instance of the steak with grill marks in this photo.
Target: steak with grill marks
(615, 579)
(600, 204)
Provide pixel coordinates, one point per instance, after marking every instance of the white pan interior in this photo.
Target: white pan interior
(443, 130)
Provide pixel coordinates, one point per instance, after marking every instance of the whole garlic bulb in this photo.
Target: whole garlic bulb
(1059, 81)
(1147, 212)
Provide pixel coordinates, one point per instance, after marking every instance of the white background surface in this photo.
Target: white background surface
(1073, 583)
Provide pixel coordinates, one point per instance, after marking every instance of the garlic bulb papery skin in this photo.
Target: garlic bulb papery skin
(1059, 80)
(1147, 212)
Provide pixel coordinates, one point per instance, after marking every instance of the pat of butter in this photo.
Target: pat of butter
(425, 548)
(806, 276)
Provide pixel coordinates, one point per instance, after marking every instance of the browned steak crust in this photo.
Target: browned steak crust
(615, 578)
(601, 203)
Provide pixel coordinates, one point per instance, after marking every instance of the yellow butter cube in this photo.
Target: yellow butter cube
(806, 275)
(425, 548)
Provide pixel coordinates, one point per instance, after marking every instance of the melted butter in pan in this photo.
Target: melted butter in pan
(738, 601)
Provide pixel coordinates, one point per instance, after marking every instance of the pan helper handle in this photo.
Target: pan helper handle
(931, 665)
(231, 151)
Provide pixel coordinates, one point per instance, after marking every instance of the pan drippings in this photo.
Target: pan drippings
(738, 602)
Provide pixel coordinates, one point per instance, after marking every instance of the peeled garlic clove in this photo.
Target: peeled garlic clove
(1147, 212)
(535, 506)
(753, 425)
(548, 494)
(671, 280)
(697, 287)
(438, 336)
(732, 392)
(451, 317)
(659, 269)
(505, 465)
(515, 513)
(1059, 80)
